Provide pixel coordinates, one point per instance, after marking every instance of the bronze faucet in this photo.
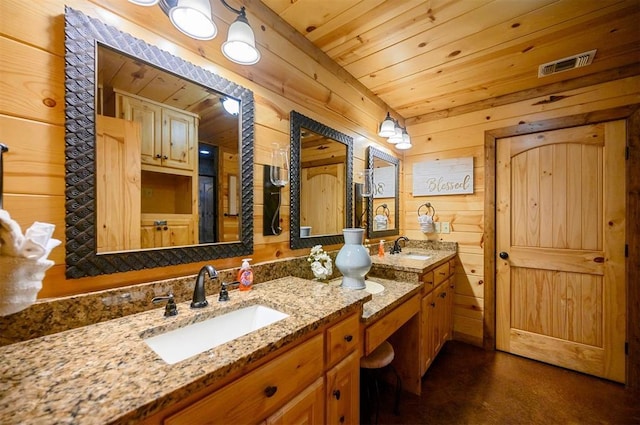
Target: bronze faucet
(199, 297)
(396, 245)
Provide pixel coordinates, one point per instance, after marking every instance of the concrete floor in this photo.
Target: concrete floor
(468, 385)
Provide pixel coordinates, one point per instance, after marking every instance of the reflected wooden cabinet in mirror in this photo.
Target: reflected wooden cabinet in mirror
(321, 183)
(152, 158)
(383, 216)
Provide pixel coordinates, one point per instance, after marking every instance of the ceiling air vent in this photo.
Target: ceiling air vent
(565, 64)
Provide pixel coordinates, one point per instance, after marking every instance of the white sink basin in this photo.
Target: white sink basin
(373, 287)
(415, 256)
(182, 343)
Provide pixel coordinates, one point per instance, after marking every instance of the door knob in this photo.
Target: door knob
(504, 255)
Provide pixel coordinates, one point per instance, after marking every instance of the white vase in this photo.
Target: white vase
(353, 259)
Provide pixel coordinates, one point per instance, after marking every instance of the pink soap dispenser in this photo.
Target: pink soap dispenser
(245, 276)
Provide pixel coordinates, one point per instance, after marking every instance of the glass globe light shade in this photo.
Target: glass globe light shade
(387, 127)
(240, 46)
(193, 18)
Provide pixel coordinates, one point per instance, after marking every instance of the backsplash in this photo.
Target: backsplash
(56, 315)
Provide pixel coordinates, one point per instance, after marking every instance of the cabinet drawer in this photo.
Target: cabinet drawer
(342, 338)
(378, 332)
(427, 279)
(440, 274)
(258, 393)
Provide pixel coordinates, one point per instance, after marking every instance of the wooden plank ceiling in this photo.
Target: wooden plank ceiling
(434, 58)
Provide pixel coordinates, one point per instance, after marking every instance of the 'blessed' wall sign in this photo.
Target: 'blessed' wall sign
(443, 177)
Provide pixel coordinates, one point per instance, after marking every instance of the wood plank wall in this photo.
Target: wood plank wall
(464, 135)
(32, 124)
(32, 114)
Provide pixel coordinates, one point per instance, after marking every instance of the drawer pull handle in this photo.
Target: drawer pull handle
(342, 419)
(443, 295)
(270, 390)
(336, 394)
(348, 338)
(433, 305)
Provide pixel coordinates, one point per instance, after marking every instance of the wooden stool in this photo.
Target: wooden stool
(378, 359)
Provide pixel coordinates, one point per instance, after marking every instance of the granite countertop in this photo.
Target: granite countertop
(401, 262)
(105, 373)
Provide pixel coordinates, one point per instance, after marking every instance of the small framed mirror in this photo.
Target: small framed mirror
(321, 183)
(383, 212)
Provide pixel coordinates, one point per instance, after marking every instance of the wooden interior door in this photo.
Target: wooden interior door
(118, 182)
(560, 242)
(322, 199)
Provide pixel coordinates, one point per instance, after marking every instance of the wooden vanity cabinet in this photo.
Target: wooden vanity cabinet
(301, 385)
(436, 320)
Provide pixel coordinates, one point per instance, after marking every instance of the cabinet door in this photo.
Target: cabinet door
(181, 232)
(153, 234)
(343, 391)
(439, 295)
(451, 290)
(426, 332)
(306, 408)
(158, 232)
(178, 140)
(149, 116)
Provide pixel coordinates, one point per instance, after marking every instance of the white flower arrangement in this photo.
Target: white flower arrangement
(321, 264)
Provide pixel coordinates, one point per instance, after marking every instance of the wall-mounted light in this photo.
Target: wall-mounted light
(396, 135)
(193, 18)
(387, 127)
(276, 176)
(406, 141)
(230, 105)
(279, 165)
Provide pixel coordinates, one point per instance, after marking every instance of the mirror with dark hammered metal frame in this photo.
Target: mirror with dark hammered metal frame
(82, 35)
(377, 159)
(301, 124)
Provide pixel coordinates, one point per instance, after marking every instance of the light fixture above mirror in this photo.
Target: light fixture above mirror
(193, 18)
(396, 135)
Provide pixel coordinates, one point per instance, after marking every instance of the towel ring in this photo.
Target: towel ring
(385, 209)
(431, 211)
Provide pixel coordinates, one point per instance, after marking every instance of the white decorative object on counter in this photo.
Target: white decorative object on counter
(353, 259)
(321, 263)
(23, 262)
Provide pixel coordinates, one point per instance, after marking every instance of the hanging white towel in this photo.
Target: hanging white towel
(23, 262)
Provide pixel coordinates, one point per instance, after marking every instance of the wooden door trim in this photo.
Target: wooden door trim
(630, 113)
